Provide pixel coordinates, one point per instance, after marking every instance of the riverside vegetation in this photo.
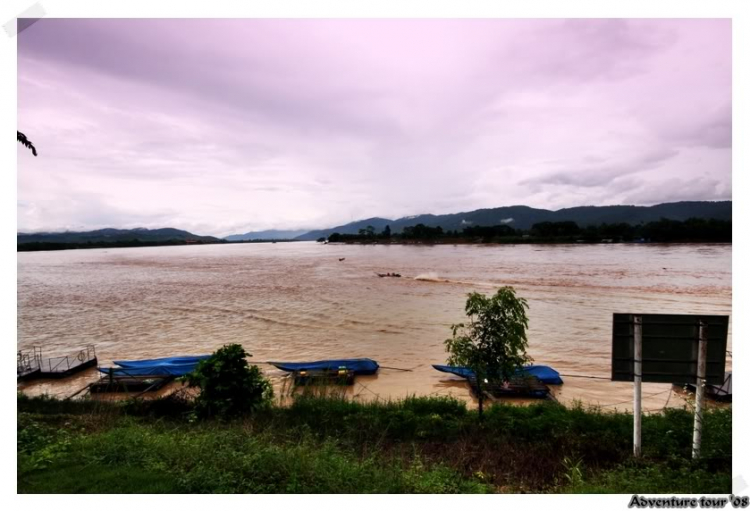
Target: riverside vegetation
(332, 445)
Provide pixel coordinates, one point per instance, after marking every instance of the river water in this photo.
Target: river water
(298, 301)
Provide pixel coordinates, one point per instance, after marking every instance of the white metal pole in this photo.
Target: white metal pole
(700, 388)
(637, 378)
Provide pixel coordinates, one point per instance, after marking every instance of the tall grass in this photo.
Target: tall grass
(218, 458)
(330, 444)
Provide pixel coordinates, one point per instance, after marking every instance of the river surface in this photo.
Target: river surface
(298, 302)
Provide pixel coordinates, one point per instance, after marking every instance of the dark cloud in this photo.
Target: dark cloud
(244, 125)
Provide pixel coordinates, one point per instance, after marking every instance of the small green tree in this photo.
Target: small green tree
(229, 385)
(493, 343)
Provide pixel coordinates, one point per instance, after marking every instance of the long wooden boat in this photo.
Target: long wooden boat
(170, 366)
(545, 374)
(190, 359)
(358, 366)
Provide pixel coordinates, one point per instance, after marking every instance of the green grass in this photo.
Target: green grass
(219, 458)
(331, 445)
(676, 477)
(74, 477)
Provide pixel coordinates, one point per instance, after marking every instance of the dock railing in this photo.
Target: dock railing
(28, 360)
(59, 366)
(69, 361)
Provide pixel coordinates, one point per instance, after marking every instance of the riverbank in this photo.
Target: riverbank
(36, 246)
(516, 241)
(330, 445)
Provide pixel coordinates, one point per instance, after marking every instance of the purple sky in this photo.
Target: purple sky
(224, 126)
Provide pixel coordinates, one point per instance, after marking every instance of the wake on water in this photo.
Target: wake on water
(430, 277)
(433, 277)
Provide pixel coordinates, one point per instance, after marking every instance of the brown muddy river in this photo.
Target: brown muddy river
(297, 302)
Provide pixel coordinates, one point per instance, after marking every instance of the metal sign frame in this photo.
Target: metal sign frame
(678, 352)
(670, 347)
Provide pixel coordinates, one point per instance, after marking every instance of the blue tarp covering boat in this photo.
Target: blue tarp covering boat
(168, 366)
(545, 373)
(152, 370)
(193, 359)
(360, 366)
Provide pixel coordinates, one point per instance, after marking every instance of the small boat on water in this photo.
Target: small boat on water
(719, 393)
(193, 359)
(175, 370)
(545, 374)
(144, 375)
(528, 382)
(358, 366)
(169, 366)
(388, 274)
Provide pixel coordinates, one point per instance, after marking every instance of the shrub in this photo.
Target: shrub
(229, 386)
(493, 344)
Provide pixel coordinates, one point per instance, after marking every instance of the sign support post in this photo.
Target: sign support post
(671, 356)
(700, 388)
(637, 378)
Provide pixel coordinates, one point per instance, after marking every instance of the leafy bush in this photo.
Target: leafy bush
(229, 385)
(39, 445)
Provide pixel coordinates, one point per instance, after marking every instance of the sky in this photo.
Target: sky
(228, 126)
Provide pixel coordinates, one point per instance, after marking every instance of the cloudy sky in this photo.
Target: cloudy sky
(224, 126)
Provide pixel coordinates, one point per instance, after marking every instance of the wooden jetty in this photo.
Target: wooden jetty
(32, 364)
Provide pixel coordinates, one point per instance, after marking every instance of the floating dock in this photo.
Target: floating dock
(323, 377)
(32, 364)
(129, 384)
(526, 387)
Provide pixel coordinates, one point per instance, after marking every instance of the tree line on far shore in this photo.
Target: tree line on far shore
(699, 230)
(34, 246)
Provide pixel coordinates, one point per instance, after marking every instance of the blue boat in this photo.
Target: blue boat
(193, 359)
(163, 367)
(545, 374)
(360, 366)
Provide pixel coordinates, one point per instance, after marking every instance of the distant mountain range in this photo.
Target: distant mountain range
(113, 236)
(271, 234)
(523, 217)
(518, 217)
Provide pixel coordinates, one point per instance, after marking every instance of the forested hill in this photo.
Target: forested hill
(516, 217)
(114, 236)
(272, 234)
(523, 217)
